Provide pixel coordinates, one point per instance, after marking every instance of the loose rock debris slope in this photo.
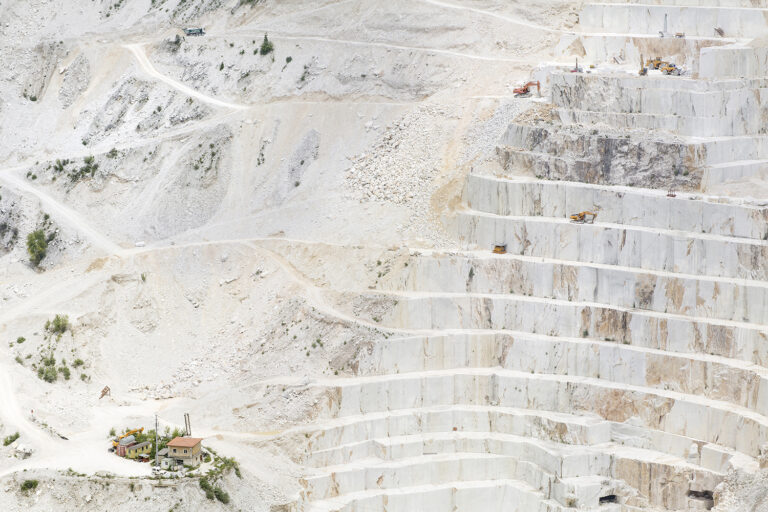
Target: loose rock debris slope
(292, 243)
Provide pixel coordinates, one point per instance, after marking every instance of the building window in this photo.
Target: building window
(185, 451)
(174, 450)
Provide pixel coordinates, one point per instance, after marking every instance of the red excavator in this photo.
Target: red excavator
(524, 91)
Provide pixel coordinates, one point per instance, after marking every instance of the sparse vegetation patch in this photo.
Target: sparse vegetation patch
(28, 485)
(58, 325)
(37, 246)
(11, 438)
(266, 46)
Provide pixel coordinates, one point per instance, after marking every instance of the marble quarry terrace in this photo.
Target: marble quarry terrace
(520, 360)
(607, 366)
(580, 370)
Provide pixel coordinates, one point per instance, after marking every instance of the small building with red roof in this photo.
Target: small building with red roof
(186, 450)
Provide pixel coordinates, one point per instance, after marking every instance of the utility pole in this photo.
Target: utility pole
(157, 448)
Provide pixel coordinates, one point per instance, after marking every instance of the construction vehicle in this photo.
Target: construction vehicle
(116, 441)
(583, 217)
(669, 68)
(525, 91)
(655, 63)
(499, 249)
(680, 35)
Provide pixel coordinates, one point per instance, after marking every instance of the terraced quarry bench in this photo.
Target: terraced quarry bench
(614, 365)
(553, 379)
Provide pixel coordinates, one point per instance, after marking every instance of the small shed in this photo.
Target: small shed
(135, 450)
(123, 445)
(194, 32)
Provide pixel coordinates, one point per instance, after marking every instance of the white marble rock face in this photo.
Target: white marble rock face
(607, 366)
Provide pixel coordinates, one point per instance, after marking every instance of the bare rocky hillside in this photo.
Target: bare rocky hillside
(284, 228)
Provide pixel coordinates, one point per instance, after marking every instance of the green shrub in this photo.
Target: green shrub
(48, 374)
(20, 340)
(58, 325)
(78, 363)
(206, 486)
(37, 245)
(89, 169)
(59, 165)
(225, 464)
(266, 46)
(221, 66)
(65, 372)
(11, 438)
(221, 495)
(28, 485)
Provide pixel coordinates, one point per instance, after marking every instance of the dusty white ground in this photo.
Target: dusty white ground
(229, 186)
(204, 151)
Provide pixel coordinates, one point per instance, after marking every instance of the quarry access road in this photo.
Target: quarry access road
(350, 42)
(141, 57)
(535, 26)
(508, 19)
(12, 416)
(60, 212)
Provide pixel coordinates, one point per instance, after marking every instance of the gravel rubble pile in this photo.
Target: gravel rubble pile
(400, 169)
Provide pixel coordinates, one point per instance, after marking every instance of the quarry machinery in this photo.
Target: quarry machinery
(655, 63)
(583, 217)
(670, 68)
(116, 441)
(500, 249)
(525, 90)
